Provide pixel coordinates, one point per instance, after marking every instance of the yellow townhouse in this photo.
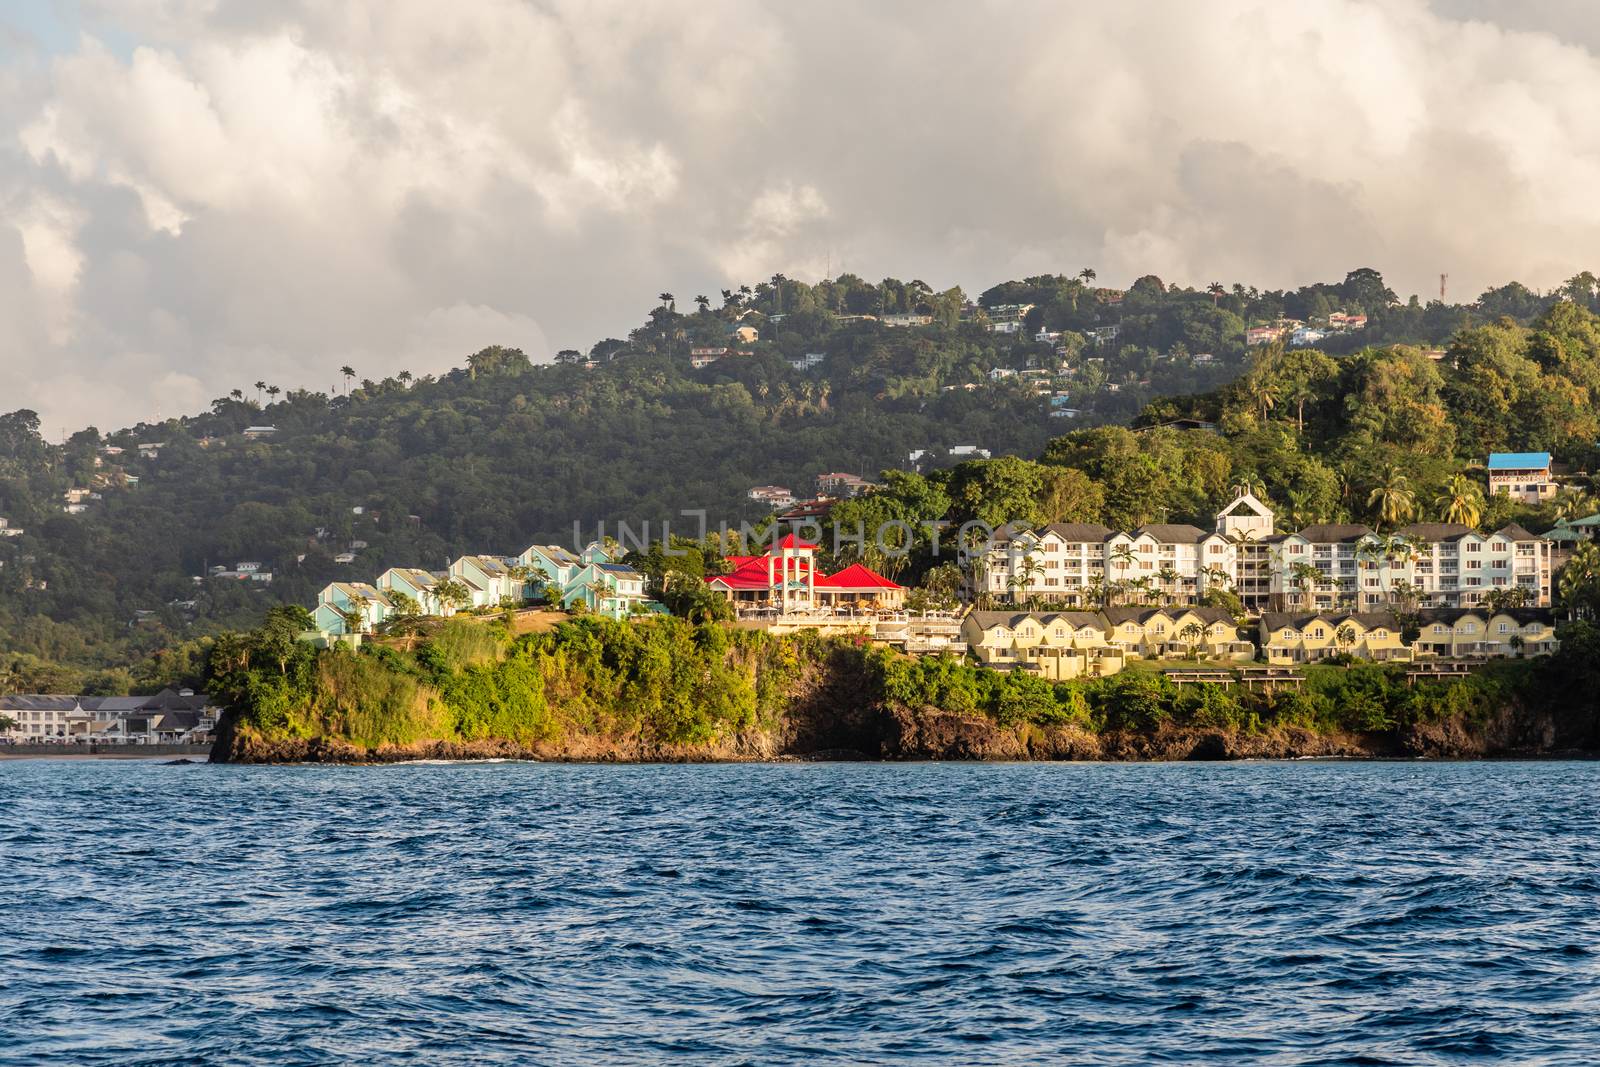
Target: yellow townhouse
(1057, 645)
(1177, 633)
(1290, 637)
(1482, 633)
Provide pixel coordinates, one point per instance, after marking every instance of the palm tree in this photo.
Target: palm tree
(1024, 572)
(1305, 577)
(1345, 635)
(404, 376)
(1263, 392)
(1216, 290)
(1579, 584)
(1300, 391)
(704, 302)
(1575, 505)
(452, 594)
(1460, 501)
(1192, 635)
(260, 388)
(668, 301)
(1087, 274)
(237, 394)
(1392, 499)
(1168, 577)
(349, 372)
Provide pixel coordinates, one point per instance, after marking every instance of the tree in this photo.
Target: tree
(1505, 598)
(1391, 499)
(704, 302)
(1023, 572)
(453, 594)
(349, 373)
(1306, 577)
(1217, 291)
(1263, 392)
(1192, 634)
(273, 391)
(260, 388)
(1460, 501)
(1168, 577)
(1579, 582)
(1345, 636)
(668, 301)
(1087, 274)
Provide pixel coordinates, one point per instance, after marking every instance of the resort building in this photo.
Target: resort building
(1524, 476)
(787, 579)
(1247, 524)
(1315, 568)
(1450, 565)
(1177, 633)
(1467, 634)
(1288, 637)
(489, 580)
(1057, 645)
(351, 608)
(420, 585)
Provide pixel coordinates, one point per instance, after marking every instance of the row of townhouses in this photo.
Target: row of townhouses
(590, 579)
(1071, 644)
(1317, 568)
(169, 717)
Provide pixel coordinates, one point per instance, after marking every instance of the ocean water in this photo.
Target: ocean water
(1363, 913)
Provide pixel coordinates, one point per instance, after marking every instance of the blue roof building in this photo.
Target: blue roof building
(1523, 476)
(1519, 461)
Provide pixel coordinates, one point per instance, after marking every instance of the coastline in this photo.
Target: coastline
(901, 735)
(198, 753)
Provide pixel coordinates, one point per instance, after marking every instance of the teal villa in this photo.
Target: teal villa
(590, 580)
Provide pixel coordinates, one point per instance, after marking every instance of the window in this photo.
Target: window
(1503, 628)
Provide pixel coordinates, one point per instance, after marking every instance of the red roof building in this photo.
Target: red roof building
(787, 578)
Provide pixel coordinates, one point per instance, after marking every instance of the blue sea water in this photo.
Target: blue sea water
(1358, 913)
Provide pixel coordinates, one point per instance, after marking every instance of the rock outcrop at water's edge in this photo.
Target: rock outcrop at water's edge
(848, 730)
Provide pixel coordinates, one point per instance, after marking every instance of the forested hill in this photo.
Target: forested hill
(500, 453)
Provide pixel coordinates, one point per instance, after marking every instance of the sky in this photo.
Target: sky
(199, 194)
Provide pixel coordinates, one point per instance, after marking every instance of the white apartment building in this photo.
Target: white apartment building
(1176, 561)
(1324, 567)
(1057, 563)
(1067, 562)
(1247, 523)
(1435, 564)
(1455, 566)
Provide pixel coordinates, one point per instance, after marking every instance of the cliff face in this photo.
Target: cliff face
(830, 721)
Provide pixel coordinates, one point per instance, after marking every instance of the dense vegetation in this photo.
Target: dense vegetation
(501, 453)
(668, 687)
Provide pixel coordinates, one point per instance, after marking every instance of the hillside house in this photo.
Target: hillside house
(350, 608)
(1524, 476)
(419, 585)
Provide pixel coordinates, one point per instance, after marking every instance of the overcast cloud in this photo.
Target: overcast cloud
(196, 194)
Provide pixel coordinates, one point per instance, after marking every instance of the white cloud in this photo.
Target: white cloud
(224, 191)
